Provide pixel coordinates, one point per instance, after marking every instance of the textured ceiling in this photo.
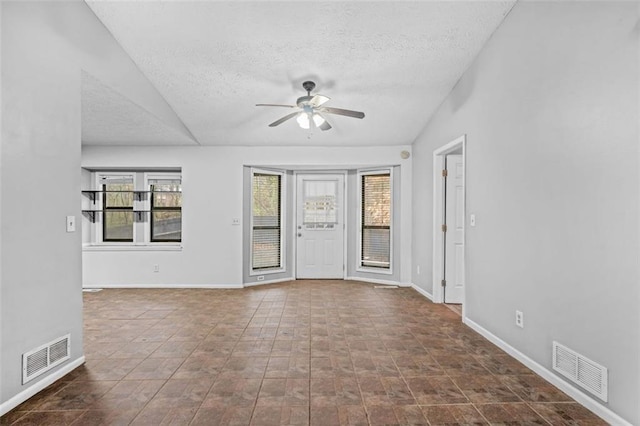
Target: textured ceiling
(110, 118)
(213, 61)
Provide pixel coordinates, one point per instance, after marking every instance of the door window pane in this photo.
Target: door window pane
(320, 204)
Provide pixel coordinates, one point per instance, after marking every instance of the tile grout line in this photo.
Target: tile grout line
(255, 403)
(159, 388)
(451, 378)
(404, 379)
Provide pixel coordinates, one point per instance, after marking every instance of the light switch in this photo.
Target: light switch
(71, 224)
(472, 220)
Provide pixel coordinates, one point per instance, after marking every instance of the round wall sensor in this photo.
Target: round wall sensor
(405, 154)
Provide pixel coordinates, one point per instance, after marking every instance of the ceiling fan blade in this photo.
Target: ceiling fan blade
(283, 119)
(277, 105)
(340, 111)
(325, 126)
(318, 100)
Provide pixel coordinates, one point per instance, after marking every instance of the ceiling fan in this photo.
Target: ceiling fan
(310, 110)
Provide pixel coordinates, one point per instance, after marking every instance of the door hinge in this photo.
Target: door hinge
(444, 228)
(444, 283)
(444, 173)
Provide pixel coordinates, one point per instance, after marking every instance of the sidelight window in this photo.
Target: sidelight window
(375, 220)
(266, 221)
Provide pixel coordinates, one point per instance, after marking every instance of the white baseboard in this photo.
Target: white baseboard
(589, 403)
(209, 286)
(280, 280)
(18, 399)
(422, 292)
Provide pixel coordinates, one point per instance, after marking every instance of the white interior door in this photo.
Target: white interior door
(454, 237)
(320, 226)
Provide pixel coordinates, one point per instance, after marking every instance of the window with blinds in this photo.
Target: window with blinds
(375, 229)
(266, 211)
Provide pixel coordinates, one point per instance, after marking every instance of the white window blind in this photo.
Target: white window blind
(116, 180)
(267, 221)
(164, 181)
(376, 220)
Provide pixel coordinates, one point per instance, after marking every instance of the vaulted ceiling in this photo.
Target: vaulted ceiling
(213, 61)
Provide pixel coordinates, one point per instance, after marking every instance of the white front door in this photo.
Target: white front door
(454, 236)
(320, 226)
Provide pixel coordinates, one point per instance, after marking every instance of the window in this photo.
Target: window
(166, 210)
(117, 201)
(266, 221)
(319, 204)
(135, 208)
(375, 220)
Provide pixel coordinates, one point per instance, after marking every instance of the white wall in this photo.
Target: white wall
(550, 109)
(212, 253)
(45, 46)
(40, 295)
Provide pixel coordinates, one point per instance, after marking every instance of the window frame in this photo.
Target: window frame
(283, 228)
(149, 187)
(98, 228)
(373, 172)
(142, 215)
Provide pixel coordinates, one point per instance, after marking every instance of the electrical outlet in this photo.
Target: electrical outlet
(156, 268)
(260, 277)
(520, 319)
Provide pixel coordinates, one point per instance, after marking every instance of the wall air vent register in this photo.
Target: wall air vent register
(44, 358)
(580, 370)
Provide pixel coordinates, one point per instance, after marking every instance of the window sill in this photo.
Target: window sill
(374, 270)
(257, 272)
(132, 247)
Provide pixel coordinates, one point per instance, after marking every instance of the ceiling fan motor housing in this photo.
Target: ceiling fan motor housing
(303, 100)
(308, 86)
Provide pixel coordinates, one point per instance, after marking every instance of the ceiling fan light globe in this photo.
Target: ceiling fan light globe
(303, 120)
(318, 120)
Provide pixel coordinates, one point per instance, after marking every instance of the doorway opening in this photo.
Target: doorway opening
(449, 220)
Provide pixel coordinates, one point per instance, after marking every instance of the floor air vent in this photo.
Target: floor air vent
(581, 370)
(44, 358)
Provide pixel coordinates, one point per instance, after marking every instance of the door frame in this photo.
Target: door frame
(438, 209)
(344, 174)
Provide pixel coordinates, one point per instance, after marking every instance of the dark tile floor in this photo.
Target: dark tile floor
(304, 352)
